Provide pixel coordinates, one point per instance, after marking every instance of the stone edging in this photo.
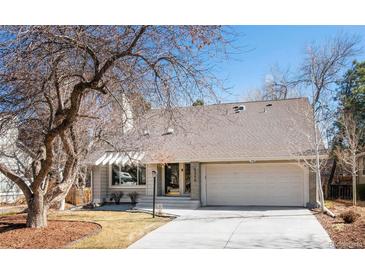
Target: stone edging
(84, 237)
(163, 215)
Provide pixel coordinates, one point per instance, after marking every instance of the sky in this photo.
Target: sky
(265, 46)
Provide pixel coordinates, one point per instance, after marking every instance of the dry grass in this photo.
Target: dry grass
(119, 229)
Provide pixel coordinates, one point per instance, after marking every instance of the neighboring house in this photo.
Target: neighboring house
(225, 154)
(361, 168)
(9, 192)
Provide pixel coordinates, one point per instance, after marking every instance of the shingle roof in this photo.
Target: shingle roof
(216, 133)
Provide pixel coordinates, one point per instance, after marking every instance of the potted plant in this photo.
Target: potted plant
(133, 196)
(116, 196)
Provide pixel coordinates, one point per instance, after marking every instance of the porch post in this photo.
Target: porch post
(181, 178)
(159, 180)
(195, 180)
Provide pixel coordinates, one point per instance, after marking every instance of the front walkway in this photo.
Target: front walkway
(239, 227)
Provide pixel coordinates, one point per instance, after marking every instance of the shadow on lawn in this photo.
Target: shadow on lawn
(5, 226)
(11, 222)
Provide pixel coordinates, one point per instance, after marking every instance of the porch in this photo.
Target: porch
(166, 202)
(117, 172)
(174, 180)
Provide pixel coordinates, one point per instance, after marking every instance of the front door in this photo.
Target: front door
(172, 180)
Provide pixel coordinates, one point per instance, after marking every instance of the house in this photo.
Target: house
(9, 191)
(361, 168)
(361, 176)
(227, 154)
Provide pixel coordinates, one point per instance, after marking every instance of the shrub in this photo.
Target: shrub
(349, 216)
(116, 196)
(133, 196)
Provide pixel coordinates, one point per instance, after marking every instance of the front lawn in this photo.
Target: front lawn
(344, 235)
(119, 229)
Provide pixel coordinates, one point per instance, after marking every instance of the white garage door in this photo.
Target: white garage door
(254, 184)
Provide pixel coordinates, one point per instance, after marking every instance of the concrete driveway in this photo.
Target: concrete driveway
(239, 227)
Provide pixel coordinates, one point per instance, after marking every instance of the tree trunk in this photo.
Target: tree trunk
(354, 198)
(37, 212)
(62, 205)
(354, 173)
(320, 190)
(333, 170)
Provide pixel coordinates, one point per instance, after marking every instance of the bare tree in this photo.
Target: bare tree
(351, 135)
(277, 85)
(320, 72)
(15, 158)
(51, 75)
(305, 142)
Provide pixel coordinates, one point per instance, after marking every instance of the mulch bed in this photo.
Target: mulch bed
(344, 235)
(58, 234)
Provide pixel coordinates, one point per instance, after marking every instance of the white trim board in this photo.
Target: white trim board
(243, 160)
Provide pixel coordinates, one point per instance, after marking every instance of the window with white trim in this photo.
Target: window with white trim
(129, 175)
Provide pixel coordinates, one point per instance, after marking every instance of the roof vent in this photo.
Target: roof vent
(169, 131)
(238, 109)
(146, 132)
(267, 107)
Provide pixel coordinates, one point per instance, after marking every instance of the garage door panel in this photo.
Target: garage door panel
(254, 184)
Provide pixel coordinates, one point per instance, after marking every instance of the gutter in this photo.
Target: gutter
(248, 160)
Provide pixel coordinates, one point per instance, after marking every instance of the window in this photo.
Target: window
(131, 175)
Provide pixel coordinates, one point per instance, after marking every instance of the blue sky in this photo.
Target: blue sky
(265, 46)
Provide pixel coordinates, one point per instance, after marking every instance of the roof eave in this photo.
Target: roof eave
(245, 159)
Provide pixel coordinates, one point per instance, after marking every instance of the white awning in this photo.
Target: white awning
(120, 158)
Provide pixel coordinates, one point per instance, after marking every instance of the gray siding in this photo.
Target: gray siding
(100, 183)
(312, 190)
(149, 178)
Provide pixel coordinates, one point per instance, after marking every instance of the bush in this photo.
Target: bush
(116, 196)
(133, 196)
(349, 216)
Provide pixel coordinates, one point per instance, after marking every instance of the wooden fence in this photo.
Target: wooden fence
(79, 196)
(340, 192)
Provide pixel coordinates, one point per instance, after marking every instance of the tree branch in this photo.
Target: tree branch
(17, 180)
